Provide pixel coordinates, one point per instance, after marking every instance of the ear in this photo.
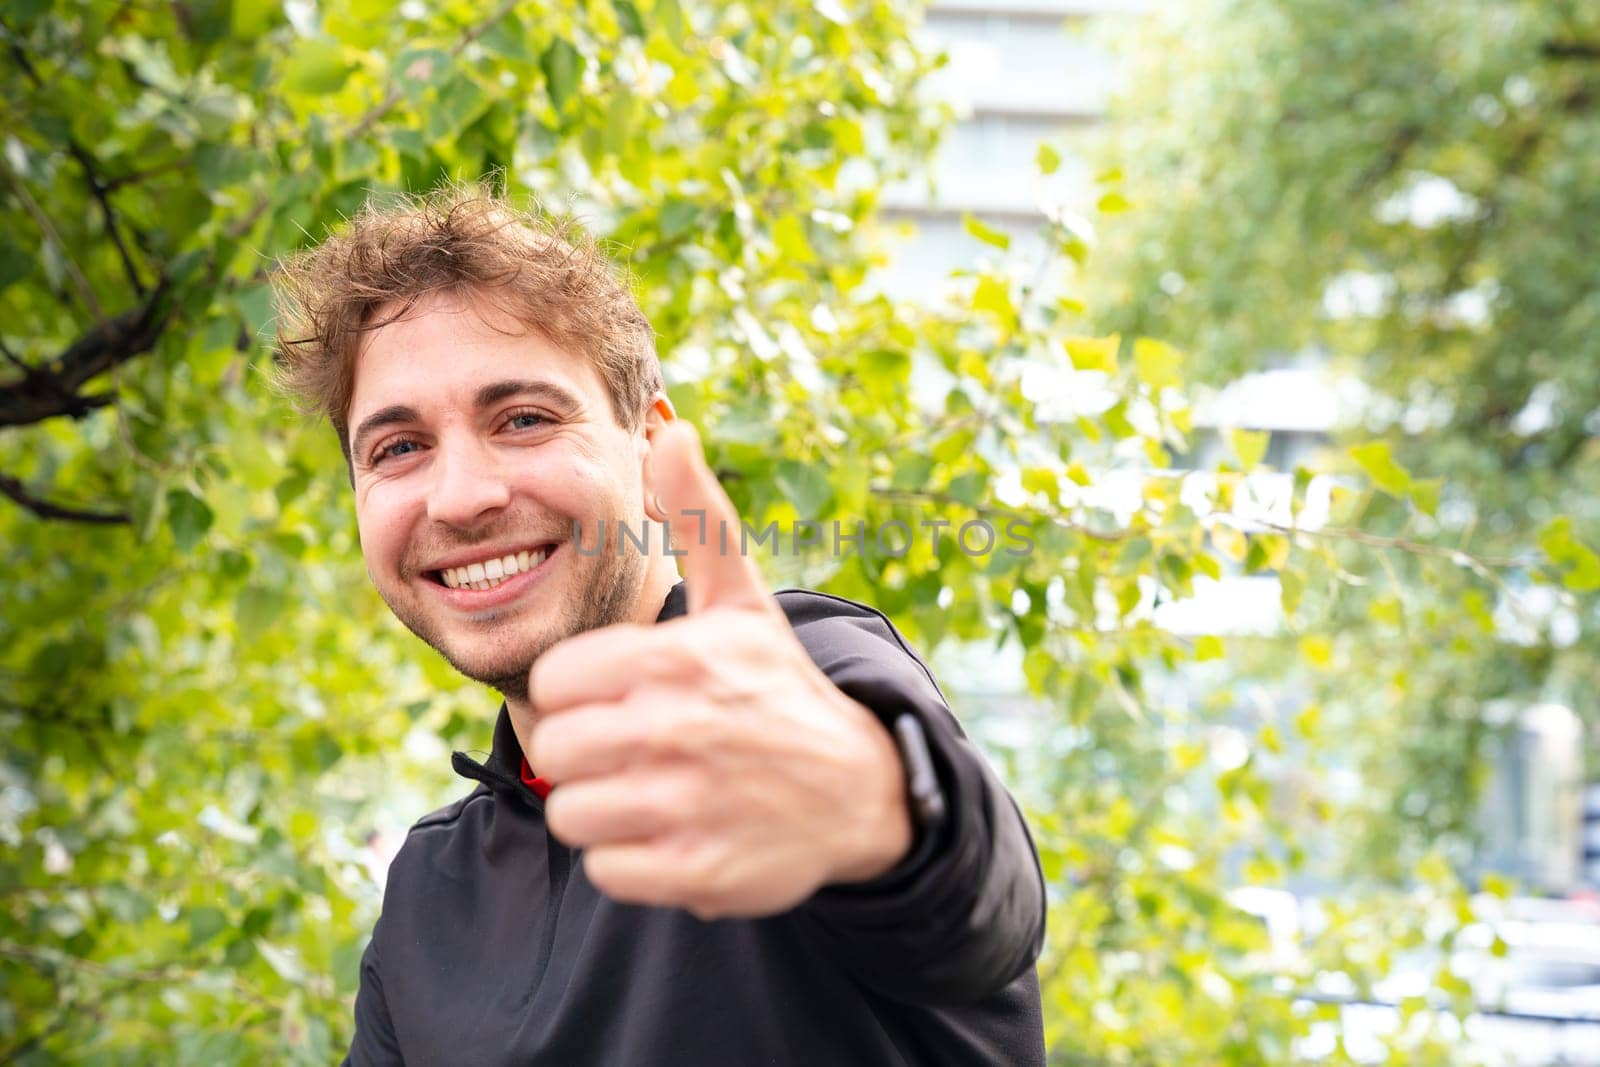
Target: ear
(657, 416)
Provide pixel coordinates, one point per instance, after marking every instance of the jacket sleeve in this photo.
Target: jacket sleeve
(374, 1044)
(963, 915)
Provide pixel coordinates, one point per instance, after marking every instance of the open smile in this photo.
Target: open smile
(491, 572)
(493, 579)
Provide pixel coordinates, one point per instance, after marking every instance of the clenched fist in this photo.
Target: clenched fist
(706, 763)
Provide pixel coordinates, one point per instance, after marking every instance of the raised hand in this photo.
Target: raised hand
(706, 763)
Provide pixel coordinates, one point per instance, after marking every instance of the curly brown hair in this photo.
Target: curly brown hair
(463, 240)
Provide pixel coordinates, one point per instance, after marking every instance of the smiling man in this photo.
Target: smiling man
(717, 825)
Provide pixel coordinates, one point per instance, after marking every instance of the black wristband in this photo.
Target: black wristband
(922, 781)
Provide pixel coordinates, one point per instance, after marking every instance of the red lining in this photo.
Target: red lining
(540, 786)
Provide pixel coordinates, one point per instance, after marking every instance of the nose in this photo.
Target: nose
(469, 484)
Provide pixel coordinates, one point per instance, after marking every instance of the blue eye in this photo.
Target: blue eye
(525, 420)
(398, 448)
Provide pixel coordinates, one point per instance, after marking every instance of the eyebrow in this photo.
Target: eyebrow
(389, 416)
(550, 392)
(487, 396)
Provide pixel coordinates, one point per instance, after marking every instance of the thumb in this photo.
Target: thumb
(704, 524)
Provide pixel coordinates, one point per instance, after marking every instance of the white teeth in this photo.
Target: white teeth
(492, 572)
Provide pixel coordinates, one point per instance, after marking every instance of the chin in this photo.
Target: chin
(498, 647)
(501, 660)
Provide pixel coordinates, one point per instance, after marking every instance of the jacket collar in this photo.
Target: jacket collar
(502, 771)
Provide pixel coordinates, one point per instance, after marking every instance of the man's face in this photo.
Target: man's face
(475, 448)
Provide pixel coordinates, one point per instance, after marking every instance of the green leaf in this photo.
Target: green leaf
(1157, 363)
(790, 239)
(188, 517)
(628, 17)
(676, 217)
(1580, 564)
(1291, 587)
(1113, 203)
(459, 102)
(1425, 494)
(252, 18)
(1094, 353)
(204, 924)
(884, 369)
(1044, 480)
(985, 233)
(315, 68)
(419, 69)
(510, 38)
(221, 165)
(1249, 445)
(562, 67)
(1039, 667)
(912, 472)
(1376, 459)
(993, 295)
(805, 486)
(971, 488)
(1047, 159)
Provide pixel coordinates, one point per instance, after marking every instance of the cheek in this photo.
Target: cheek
(381, 523)
(582, 486)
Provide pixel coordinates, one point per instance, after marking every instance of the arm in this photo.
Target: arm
(963, 914)
(374, 1043)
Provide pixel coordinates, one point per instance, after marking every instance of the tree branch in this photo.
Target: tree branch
(91, 172)
(117, 181)
(44, 509)
(102, 196)
(1460, 557)
(1581, 50)
(52, 389)
(16, 360)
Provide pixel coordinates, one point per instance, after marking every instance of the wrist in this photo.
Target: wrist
(881, 819)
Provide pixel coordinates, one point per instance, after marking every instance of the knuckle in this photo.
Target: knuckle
(597, 867)
(654, 736)
(709, 872)
(688, 795)
(551, 751)
(661, 660)
(710, 734)
(689, 658)
(557, 813)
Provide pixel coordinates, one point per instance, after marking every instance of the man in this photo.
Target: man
(697, 839)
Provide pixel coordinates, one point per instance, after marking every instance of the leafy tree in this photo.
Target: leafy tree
(208, 710)
(1407, 191)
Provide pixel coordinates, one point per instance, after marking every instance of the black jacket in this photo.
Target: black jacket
(493, 948)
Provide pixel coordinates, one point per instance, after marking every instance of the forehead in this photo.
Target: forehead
(447, 346)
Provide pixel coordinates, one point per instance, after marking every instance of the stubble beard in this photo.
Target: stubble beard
(608, 583)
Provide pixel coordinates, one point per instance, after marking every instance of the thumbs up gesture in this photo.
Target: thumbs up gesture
(706, 763)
